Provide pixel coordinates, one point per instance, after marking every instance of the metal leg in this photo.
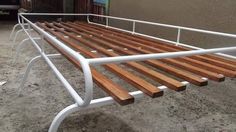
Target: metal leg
(35, 59)
(94, 103)
(13, 30)
(30, 64)
(19, 47)
(61, 116)
(74, 107)
(18, 33)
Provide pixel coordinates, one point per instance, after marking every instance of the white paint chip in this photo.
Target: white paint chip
(3, 83)
(66, 36)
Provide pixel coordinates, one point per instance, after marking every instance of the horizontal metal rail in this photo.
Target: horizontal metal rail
(136, 21)
(168, 26)
(121, 59)
(178, 28)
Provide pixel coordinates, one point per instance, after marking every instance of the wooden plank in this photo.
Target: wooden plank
(169, 82)
(139, 83)
(213, 59)
(118, 93)
(157, 64)
(134, 46)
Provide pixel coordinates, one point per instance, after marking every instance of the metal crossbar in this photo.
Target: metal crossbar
(88, 101)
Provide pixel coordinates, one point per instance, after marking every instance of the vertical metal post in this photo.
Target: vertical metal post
(178, 36)
(22, 21)
(29, 31)
(134, 27)
(88, 19)
(107, 21)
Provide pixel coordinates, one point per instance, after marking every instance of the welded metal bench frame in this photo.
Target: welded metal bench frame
(88, 102)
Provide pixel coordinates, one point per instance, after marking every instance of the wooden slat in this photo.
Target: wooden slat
(180, 73)
(139, 83)
(130, 45)
(169, 82)
(213, 59)
(119, 94)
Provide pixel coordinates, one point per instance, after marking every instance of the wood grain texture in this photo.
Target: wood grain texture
(174, 71)
(134, 46)
(118, 93)
(161, 78)
(139, 83)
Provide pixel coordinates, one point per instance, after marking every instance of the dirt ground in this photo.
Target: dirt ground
(209, 108)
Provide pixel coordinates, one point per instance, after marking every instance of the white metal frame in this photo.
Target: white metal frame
(88, 102)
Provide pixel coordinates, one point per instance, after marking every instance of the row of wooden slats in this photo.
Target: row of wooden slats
(108, 42)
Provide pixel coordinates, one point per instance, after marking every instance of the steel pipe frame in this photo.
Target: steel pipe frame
(29, 66)
(14, 29)
(84, 63)
(179, 29)
(19, 47)
(55, 70)
(107, 100)
(94, 103)
(75, 107)
(17, 34)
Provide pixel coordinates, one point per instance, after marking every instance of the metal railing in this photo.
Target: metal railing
(179, 30)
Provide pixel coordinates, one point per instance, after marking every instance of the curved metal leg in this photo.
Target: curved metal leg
(19, 47)
(17, 33)
(75, 107)
(61, 116)
(35, 59)
(13, 30)
(30, 64)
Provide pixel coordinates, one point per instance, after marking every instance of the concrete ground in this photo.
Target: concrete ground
(209, 108)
